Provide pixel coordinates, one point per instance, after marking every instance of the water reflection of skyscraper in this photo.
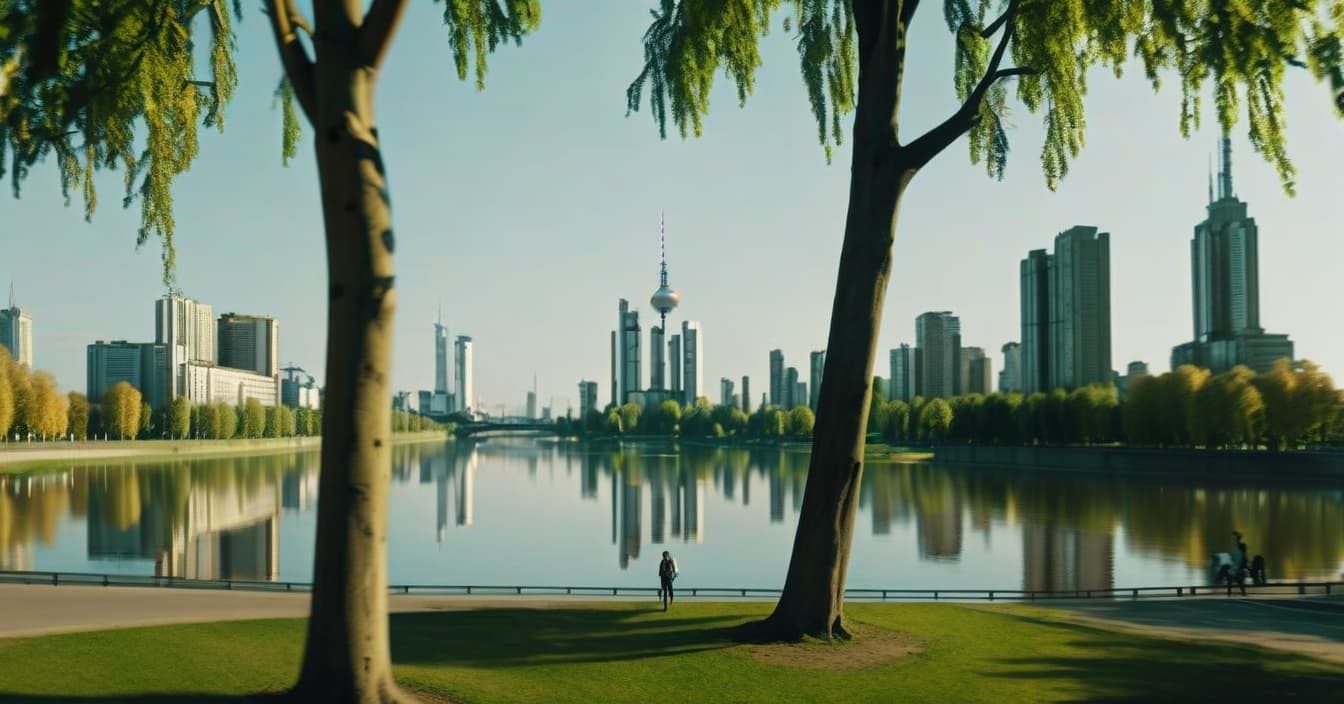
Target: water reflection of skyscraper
(1058, 558)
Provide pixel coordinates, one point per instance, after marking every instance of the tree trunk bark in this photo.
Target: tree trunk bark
(346, 656)
(812, 602)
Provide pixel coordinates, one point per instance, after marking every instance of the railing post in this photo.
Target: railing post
(1301, 588)
(991, 595)
(935, 595)
(1136, 594)
(744, 593)
(468, 590)
(1181, 592)
(55, 578)
(884, 595)
(520, 591)
(407, 589)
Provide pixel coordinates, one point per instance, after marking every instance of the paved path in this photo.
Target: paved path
(1313, 626)
(1309, 626)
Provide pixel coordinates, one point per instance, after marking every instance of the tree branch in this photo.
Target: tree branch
(380, 24)
(931, 143)
(293, 55)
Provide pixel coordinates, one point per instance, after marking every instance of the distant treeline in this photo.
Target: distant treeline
(31, 408)
(699, 420)
(1286, 407)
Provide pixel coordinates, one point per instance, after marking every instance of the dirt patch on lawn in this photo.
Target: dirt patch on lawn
(871, 647)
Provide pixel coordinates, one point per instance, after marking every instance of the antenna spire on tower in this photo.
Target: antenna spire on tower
(1210, 180)
(11, 294)
(1227, 167)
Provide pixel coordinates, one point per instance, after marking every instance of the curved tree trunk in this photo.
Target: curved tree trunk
(812, 602)
(346, 656)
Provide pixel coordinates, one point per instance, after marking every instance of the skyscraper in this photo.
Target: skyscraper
(902, 385)
(657, 365)
(1010, 377)
(628, 359)
(975, 371)
(587, 399)
(818, 366)
(466, 389)
(938, 344)
(16, 331)
(1080, 315)
(725, 391)
(777, 377)
(790, 390)
(693, 353)
(441, 373)
(1035, 288)
(1066, 312)
(250, 342)
(674, 365)
(746, 394)
(143, 365)
(615, 370)
(664, 300)
(1225, 281)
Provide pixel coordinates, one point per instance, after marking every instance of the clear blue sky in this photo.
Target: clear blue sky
(530, 208)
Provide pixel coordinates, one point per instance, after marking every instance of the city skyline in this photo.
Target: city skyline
(762, 275)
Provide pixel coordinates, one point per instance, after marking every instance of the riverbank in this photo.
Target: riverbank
(1139, 460)
(25, 457)
(591, 651)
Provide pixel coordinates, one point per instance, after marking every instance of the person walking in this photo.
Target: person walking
(667, 571)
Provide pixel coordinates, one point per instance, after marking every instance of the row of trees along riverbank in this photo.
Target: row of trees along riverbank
(1289, 406)
(32, 409)
(701, 419)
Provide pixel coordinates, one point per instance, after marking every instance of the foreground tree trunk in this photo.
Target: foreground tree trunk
(346, 655)
(813, 599)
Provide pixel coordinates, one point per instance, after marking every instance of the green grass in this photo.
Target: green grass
(632, 653)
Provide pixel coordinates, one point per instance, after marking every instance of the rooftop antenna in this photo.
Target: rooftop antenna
(11, 294)
(1227, 167)
(1210, 180)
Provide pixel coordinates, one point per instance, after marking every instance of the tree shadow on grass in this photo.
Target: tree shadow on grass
(1113, 667)
(496, 638)
(173, 698)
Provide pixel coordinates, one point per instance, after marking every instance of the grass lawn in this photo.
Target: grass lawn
(624, 652)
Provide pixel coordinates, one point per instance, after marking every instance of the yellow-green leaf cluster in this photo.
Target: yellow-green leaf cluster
(476, 27)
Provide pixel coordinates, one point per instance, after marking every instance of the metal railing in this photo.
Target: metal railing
(1290, 588)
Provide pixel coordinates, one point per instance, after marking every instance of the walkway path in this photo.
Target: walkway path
(1309, 626)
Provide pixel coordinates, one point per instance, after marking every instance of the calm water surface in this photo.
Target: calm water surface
(523, 511)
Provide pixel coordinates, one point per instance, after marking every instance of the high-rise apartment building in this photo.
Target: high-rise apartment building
(657, 365)
(1010, 377)
(746, 394)
(1066, 312)
(249, 342)
(693, 353)
(188, 324)
(615, 369)
(16, 332)
(777, 377)
(817, 365)
(144, 365)
(938, 341)
(466, 389)
(902, 383)
(790, 391)
(1225, 278)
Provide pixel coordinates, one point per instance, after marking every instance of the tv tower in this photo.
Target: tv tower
(665, 299)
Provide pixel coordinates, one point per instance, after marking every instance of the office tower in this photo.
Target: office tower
(902, 386)
(466, 389)
(1035, 301)
(16, 331)
(1136, 369)
(1080, 308)
(674, 365)
(818, 366)
(142, 365)
(531, 405)
(777, 377)
(657, 366)
(1225, 281)
(693, 353)
(790, 390)
(1132, 372)
(725, 392)
(615, 370)
(881, 388)
(249, 342)
(1066, 312)
(441, 373)
(628, 357)
(975, 368)
(938, 344)
(587, 399)
(800, 394)
(1010, 377)
(188, 324)
(746, 394)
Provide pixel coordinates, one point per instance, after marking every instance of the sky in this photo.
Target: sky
(528, 209)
